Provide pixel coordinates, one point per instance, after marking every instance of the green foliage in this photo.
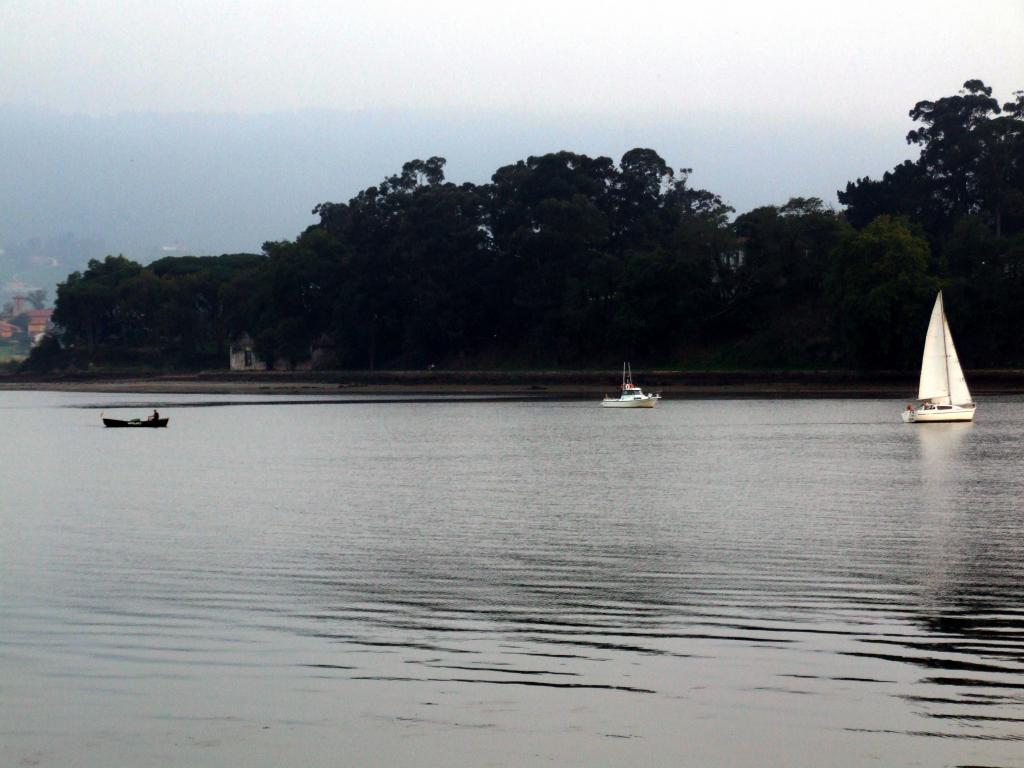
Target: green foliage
(171, 313)
(778, 302)
(37, 298)
(966, 193)
(881, 293)
(971, 164)
(568, 260)
(48, 356)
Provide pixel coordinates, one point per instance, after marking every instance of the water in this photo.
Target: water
(714, 582)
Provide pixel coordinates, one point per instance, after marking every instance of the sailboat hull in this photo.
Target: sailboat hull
(942, 413)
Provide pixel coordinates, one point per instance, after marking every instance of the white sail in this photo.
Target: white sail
(942, 379)
(958, 392)
(934, 384)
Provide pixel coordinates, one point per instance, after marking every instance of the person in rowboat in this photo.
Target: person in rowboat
(155, 416)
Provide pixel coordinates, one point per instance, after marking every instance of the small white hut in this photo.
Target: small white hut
(243, 355)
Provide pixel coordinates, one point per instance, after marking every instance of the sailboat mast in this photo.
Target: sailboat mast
(945, 350)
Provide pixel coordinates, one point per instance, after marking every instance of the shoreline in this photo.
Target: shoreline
(519, 384)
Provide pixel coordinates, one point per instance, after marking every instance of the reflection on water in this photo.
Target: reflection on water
(739, 582)
(940, 446)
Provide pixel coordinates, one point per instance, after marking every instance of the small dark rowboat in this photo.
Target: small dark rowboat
(136, 423)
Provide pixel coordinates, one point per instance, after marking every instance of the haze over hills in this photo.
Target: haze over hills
(150, 185)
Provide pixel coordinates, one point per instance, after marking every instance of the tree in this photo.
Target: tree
(37, 298)
(778, 287)
(548, 223)
(90, 306)
(1001, 171)
(881, 293)
(955, 141)
(565, 259)
(971, 163)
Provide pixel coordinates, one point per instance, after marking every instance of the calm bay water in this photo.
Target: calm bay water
(714, 582)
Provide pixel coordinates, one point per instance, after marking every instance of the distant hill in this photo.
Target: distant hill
(149, 185)
(38, 263)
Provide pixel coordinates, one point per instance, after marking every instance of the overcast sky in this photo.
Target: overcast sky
(702, 83)
(864, 60)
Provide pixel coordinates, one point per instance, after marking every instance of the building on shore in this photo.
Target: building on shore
(243, 356)
(38, 321)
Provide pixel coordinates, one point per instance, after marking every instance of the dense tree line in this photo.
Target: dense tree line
(569, 260)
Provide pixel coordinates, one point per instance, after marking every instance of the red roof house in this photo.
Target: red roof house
(38, 320)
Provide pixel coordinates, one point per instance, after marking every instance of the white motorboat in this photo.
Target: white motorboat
(943, 389)
(630, 395)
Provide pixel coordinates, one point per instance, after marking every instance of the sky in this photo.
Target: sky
(861, 60)
(763, 100)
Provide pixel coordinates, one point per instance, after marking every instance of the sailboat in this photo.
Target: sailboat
(943, 390)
